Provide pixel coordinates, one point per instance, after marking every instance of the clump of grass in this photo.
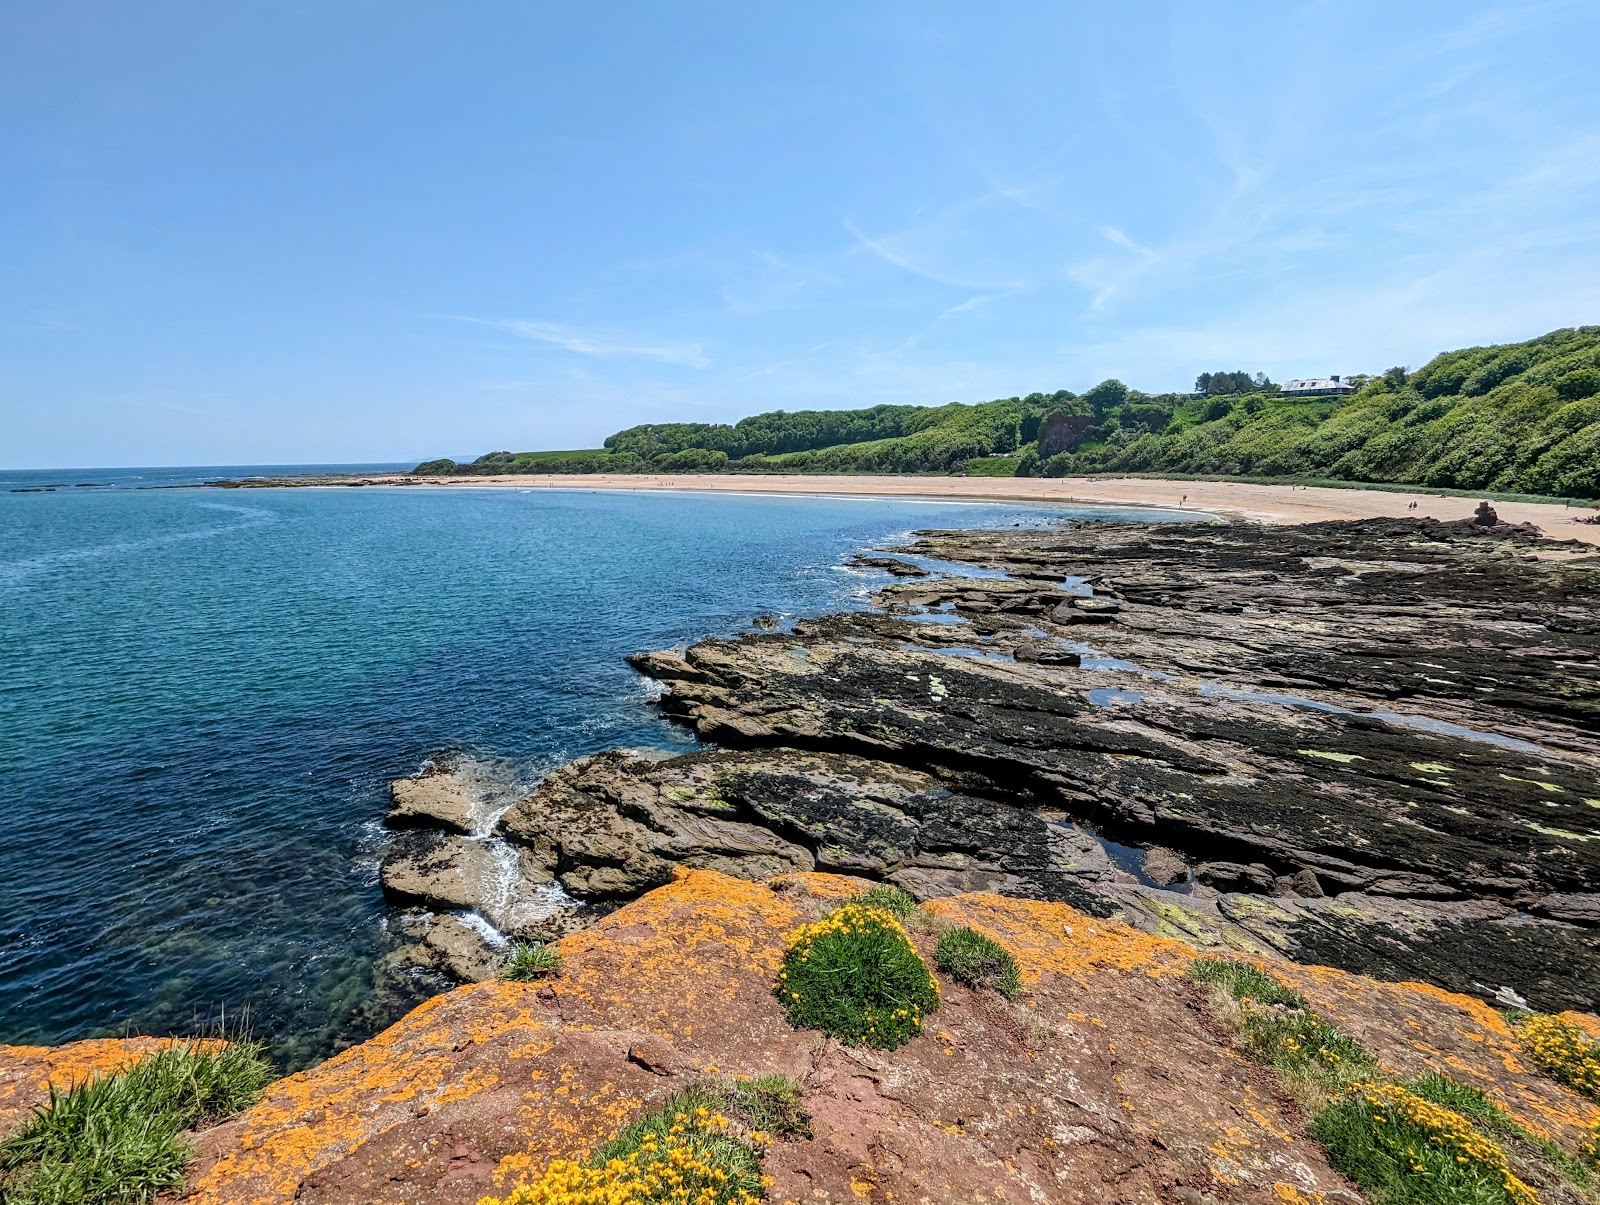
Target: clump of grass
(1276, 1026)
(117, 1139)
(898, 904)
(1561, 1050)
(530, 960)
(1407, 1150)
(687, 1150)
(969, 957)
(1242, 981)
(769, 1104)
(854, 975)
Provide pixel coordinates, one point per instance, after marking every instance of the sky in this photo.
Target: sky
(318, 231)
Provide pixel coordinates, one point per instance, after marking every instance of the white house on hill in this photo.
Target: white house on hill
(1314, 386)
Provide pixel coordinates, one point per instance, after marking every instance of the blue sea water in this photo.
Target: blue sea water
(204, 693)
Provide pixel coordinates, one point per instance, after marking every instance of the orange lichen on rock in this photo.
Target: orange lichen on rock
(1101, 1080)
(1585, 1021)
(1044, 936)
(28, 1072)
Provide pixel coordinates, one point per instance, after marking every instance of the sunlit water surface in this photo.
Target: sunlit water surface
(204, 694)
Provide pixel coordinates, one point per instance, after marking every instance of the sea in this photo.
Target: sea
(204, 694)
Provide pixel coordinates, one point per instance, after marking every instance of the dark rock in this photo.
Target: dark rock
(1302, 884)
(1235, 876)
(1042, 653)
(1485, 515)
(1165, 866)
(1069, 613)
(1581, 908)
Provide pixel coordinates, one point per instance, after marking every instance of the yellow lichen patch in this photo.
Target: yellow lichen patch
(1553, 787)
(1045, 936)
(1328, 755)
(1291, 1195)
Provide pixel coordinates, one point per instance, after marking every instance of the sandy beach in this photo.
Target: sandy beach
(1256, 503)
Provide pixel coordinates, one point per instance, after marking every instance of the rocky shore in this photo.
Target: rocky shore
(1373, 745)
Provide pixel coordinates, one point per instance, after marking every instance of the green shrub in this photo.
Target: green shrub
(899, 904)
(993, 466)
(115, 1139)
(854, 975)
(530, 960)
(969, 957)
(1406, 1150)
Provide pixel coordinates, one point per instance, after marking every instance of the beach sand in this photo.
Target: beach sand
(1257, 503)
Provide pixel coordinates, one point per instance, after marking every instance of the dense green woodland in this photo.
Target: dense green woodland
(1521, 417)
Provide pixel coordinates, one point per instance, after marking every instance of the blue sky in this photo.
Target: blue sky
(337, 230)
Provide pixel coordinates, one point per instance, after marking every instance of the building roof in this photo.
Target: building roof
(1318, 385)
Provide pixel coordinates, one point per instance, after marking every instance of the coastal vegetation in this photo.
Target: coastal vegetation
(118, 1139)
(530, 960)
(1562, 1051)
(855, 975)
(1520, 417)
(969, 957)
(1428, 1140)
(688, 1150)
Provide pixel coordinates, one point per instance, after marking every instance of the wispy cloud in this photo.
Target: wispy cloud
(887, 250)
(600, 345)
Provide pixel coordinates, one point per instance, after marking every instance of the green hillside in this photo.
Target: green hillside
(1521, 417)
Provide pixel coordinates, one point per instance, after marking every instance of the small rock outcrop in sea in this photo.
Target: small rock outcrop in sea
(467, 894)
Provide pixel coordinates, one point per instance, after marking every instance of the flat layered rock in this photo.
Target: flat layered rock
(1390, 709)
(441, 799)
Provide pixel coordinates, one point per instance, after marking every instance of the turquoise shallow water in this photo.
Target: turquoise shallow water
(205, 693)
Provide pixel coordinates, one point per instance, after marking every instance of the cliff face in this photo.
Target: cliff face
(1106, 1080)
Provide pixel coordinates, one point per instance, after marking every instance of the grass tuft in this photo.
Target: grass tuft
(969, 957)
(530, 960)
(854, 975)
(687, 1150)
(117, 1139)
(1276, 1027)
(898, 904)
(770, 1104)
(1242, 981)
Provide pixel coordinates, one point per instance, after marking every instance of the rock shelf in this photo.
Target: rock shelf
(1373, 745)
